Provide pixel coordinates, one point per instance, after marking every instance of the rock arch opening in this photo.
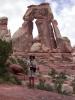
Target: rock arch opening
(35, 30)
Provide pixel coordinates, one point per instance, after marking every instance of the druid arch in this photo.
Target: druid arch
(49, 40)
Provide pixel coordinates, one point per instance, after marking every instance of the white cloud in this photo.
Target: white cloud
(14, 10)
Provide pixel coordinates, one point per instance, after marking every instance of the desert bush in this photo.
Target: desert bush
(14, 80)
(73, 85)
(62, 75)
(52, 72)
(13, 61)
(24, 65)
(44, 86)
(5, 52)
(58, 82)
(9, 78)
(41, 84)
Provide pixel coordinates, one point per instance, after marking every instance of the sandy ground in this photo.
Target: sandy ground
(13, 92)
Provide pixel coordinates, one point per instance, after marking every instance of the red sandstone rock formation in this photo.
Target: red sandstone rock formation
(4, 32)
(73, 53)
(52, 43)
(22, 39)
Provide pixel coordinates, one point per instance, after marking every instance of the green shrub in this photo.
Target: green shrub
(3, 69)
(73, 85)
(52, 72)
(5, 51)
(62, 75)
(14, 80)
(9, 78)
(58, 82)
(24, 65)
(45, 87)
(58, 87)
(13, 60)
(41, 84)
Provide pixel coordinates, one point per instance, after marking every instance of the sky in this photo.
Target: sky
(63, 10)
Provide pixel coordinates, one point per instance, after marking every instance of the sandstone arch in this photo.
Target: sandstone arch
(49, 34)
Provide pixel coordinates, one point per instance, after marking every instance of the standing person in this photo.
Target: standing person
(32, 70)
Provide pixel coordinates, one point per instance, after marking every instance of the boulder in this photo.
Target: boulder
(15, 68)
(35, 47)
(45, 49)
(67, 89)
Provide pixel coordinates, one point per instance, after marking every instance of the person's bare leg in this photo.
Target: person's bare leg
(32, 81)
